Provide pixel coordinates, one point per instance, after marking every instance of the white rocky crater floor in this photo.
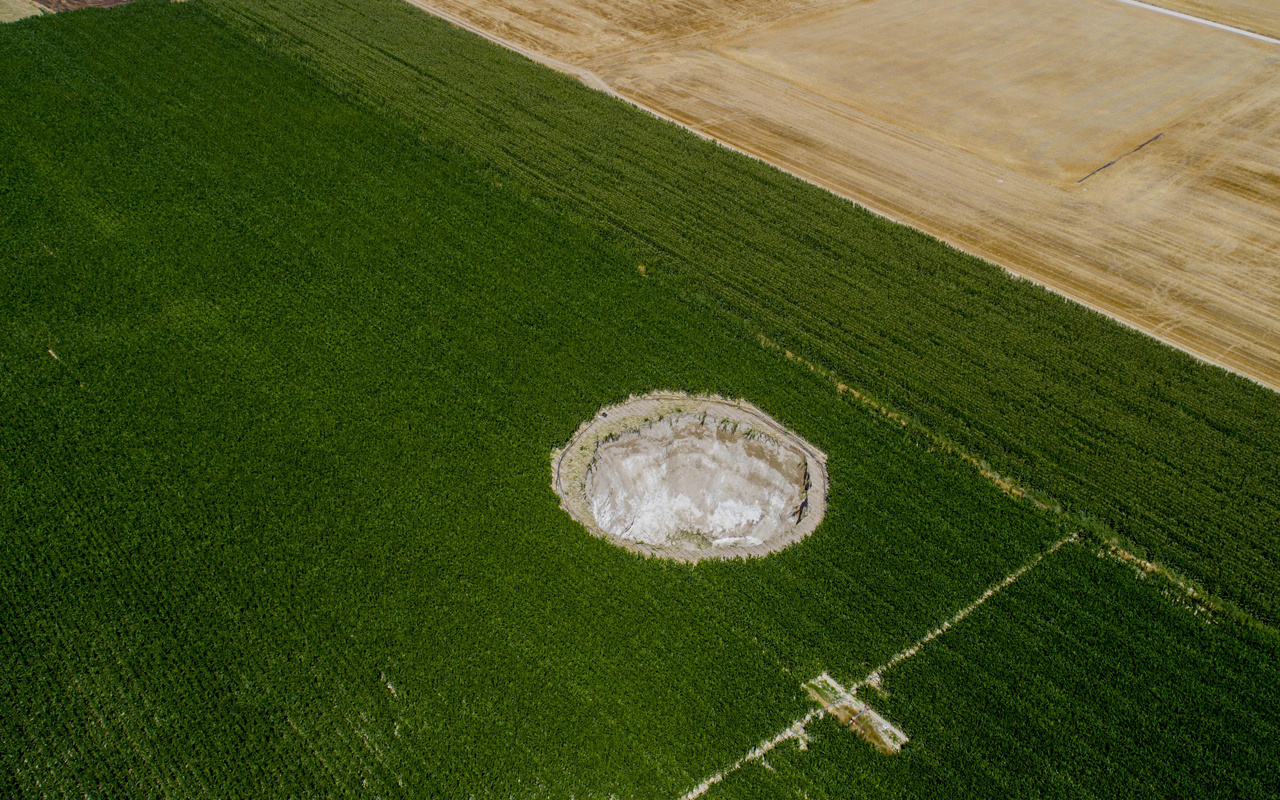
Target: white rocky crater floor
(688, 479)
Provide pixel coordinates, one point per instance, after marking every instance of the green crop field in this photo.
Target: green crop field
(296, 299)
(1181, 459)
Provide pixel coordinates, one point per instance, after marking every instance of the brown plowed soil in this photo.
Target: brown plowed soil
(1125, 158)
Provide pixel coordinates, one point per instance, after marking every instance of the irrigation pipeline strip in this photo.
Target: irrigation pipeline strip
(1007, 485)
(1220, 26)
(796, 730)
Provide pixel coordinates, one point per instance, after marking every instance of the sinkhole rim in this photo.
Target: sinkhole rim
(570, 466)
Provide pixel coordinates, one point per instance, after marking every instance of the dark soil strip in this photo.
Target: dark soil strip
(1131, 152)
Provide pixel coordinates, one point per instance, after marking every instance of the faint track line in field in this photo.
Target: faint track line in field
(1112, 544)
(1185, 590)
(793, 731)
(874, 676)
(1007, 485)
(1189, 18)
(796, 730)
(1117, 158)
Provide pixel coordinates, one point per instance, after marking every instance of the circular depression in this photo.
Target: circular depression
(688, 478)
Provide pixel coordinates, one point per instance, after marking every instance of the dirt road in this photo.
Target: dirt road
(1258, 16)
(1008, 128)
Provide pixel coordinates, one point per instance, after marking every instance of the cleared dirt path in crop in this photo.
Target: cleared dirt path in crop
(797, 729)
(1009, 129)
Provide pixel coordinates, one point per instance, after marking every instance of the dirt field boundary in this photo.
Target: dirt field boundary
(587, 77)
(594, 81)
(1209, 350)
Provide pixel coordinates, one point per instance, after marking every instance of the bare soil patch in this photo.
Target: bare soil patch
(688, 478)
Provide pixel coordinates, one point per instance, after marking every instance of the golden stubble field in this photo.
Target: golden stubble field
(1125, 158)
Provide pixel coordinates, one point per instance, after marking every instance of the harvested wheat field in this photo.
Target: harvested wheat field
(1122, 156)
